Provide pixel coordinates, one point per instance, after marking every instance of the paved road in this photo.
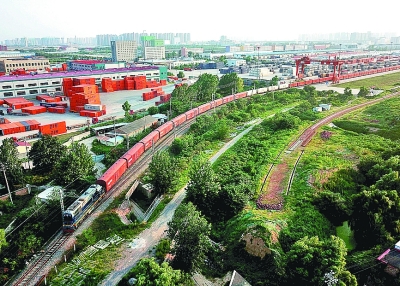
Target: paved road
(151, 236)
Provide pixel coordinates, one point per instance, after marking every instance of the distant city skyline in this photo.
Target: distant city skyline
(253, 20)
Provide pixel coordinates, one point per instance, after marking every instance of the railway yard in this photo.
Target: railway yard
(53, 253)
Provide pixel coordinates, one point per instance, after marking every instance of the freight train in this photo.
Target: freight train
(78, 210)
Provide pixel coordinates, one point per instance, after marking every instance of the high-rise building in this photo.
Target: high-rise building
(105, 40)
(124, 51)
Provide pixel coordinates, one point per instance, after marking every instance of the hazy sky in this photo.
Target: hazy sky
(204, 19)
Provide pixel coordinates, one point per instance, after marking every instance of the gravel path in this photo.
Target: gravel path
(151, 236)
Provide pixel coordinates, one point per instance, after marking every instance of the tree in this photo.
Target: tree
(152, 110)
(333, 206)
(45, 154)
(12, 164)
(3, 241)
(189, 231)
(281, 121)
(375, 217)
(274, 81)
(163, 247)
(363, 91)
(230, 82)
(348, 92)
(206, 85)
(163, 170)
(309, 259)
(76, 164)
(180, 74)
(148, 273)
(126, 107)
(202, 189)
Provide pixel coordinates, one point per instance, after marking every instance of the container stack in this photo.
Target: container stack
(34, 109)
(163, 99)
(93, 110)
(22, 104)
(153, 93)
(83, 94)
(67, 86)
(47, 98)
(163, 81)
(152, 83)
(140, 82)
(129, 83)
(17, 102)
(106, 85)
(53, 128)
(84, 81)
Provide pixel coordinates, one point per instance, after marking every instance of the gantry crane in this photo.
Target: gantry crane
(300, 63)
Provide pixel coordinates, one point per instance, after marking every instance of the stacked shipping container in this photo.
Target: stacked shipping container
(53, 128)
(153, 93)
(17, 127)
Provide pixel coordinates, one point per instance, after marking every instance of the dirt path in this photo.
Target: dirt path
(151, 236)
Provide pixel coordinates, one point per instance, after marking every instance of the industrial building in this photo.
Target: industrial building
(156, 53)
(90, 65)
(153, 49)
(124, 51)
(8, 65)
(185, 51)
(29, 85)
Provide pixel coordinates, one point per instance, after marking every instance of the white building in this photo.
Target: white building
(156, 53)
(123, 51)
(235, 62)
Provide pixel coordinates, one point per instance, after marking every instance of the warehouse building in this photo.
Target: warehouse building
(8, 65)
(32, 85)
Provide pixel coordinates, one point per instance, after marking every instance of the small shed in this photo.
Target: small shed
(325, 106)
(317, 109)
(50, 194)
(137, 126)
(22, 146)
(162, 118)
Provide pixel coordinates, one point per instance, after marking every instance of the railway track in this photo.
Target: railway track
(307, 135)
(293, 172)
(35, 272)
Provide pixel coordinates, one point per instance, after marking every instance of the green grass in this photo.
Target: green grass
(65, 137)
(384, 82)
(345, 233)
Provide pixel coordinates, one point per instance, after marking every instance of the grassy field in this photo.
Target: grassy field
(384, 82)
(345, 233)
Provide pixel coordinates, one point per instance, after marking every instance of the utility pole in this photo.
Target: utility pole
(115, 134)
(62, 205)
(3, 168)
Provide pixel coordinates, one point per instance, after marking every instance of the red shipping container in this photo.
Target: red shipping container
(85, 88)
(88, 80)
(56, 109)
(34, 125)
(34, 109)
(53, 128)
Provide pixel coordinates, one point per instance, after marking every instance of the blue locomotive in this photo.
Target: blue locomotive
(83, 206)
